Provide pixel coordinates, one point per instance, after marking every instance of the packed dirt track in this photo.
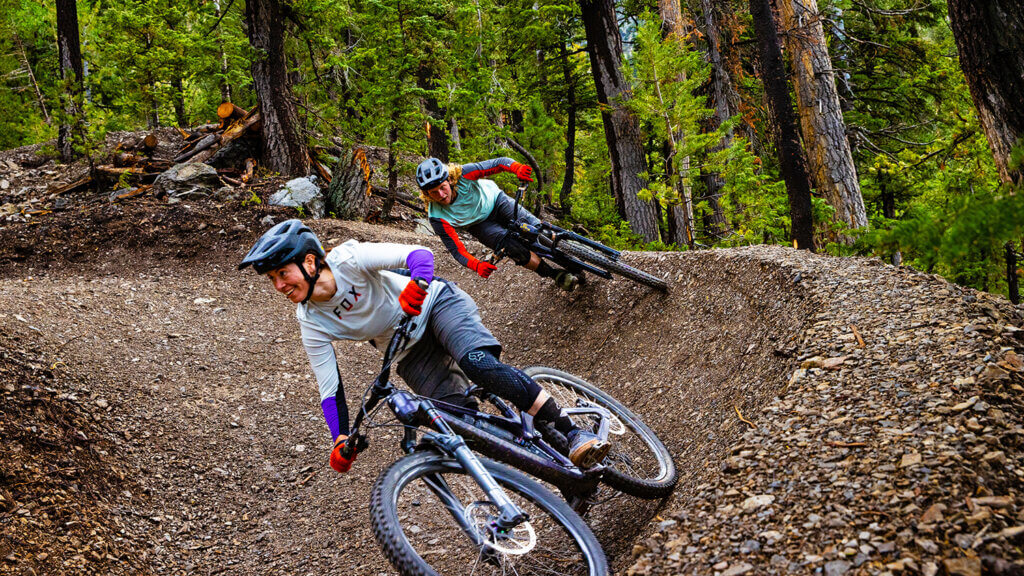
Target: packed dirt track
(826, 414)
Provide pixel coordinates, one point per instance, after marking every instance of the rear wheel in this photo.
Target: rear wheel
(431, 518)
(587, 254)
(639, 464)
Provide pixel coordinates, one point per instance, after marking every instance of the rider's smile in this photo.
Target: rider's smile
(289, 281)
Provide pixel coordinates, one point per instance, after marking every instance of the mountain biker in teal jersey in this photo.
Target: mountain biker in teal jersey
(353, 293)
(457, 196)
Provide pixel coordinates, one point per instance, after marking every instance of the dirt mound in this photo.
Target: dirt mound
(205, 369)
(66, 492)
(894, 446)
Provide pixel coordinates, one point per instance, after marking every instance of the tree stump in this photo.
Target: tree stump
(348, 197)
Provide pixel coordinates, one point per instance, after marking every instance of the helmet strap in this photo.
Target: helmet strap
(311, 280)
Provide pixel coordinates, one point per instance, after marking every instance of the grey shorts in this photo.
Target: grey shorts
(454, 329)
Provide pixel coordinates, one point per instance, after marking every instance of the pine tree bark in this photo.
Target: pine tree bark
(437, 136)
(284, 149)
(791, 159)
(69, 54)
(564, 195)
(725, 101)
(621, 128)
(348, 196)
(680, 216)
(989, 36)
(829, 159)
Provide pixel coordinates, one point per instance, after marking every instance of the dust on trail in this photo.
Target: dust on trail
(203, 371)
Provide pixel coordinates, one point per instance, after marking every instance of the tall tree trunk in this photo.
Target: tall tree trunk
(437, 136)
(990, 39)
(225, 88)
(821, 117)
(621, 128)
(791, 158)
(680, 216)
(456, 137)
(389, 201)
(284, 149)
(69, 53)
(179, 102)
(724, 100)
(564, 199)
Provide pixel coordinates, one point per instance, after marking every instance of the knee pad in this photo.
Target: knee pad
(502, 380)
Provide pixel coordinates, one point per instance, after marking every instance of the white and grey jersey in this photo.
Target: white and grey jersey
(365, 306)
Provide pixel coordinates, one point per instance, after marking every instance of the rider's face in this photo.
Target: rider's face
(288, 280)
(442, 194)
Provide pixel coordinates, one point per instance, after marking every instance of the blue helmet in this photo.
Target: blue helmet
(431, 173)
(286, 242)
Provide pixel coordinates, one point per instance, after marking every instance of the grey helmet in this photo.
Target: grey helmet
(283, 244)
(431, 173)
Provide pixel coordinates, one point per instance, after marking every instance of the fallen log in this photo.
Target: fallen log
(203, 144)
(72, 186)
(136, 192)
(125, 159)
(228, 111)
(403, 199)
(240, 127)
(184, 135)
(321, 170)
(150, 142)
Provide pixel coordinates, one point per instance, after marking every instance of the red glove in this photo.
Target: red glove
(522, 171)
(338, 461)
(482, 268)
(412, 298)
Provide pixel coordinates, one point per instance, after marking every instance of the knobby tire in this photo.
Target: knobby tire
(581, 252)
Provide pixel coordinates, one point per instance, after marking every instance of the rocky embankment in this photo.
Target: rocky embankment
(894, 448)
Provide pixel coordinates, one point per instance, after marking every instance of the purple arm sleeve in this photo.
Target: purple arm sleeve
(330, 408)
(421, 264)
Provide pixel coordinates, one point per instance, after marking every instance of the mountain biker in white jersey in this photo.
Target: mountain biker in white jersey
(356, 293)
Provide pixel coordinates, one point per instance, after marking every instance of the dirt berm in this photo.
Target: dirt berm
(827, 414)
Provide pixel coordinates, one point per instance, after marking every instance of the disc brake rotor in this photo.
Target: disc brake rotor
(517, 541)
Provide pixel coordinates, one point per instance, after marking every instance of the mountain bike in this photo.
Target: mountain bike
(444, 509)
(573, 252)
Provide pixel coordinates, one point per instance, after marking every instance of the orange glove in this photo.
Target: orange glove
(412, 298)
(482, 268)
(338, 461)
(522, 171)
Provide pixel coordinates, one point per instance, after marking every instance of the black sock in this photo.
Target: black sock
(546, 271)
(550, 412)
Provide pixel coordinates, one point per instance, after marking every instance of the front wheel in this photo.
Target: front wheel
(639, 464)
(581, 252)
(430, 517)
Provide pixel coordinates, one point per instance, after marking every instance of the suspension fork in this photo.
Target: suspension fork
(453, 444)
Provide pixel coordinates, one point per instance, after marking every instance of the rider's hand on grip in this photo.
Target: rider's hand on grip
(522, 171)
(412, 298)
(482, 268)
(339, 461)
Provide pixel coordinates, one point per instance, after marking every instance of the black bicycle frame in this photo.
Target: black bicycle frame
(508, 438)
(544, 241)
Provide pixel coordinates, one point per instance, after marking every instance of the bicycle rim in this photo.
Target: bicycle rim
(639, 463)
